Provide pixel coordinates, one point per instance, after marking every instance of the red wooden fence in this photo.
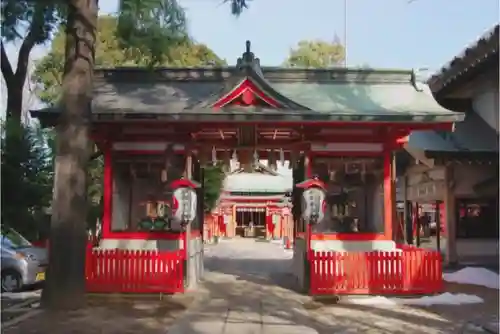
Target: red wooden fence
(136, 271)
(411, 271)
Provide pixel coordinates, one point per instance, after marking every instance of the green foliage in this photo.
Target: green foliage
(151, 25)
(27, 177)
(95, 192)
(316, 54)
(212, 183)
(39, 18)
(32, 22)
(111, 53)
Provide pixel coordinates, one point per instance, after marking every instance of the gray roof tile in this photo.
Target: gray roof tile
(471, 135)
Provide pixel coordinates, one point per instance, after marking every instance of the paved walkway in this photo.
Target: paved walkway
(248, 289)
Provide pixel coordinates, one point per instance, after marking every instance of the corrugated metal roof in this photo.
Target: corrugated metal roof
(254, 182)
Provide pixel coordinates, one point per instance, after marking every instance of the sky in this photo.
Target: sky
(379, 33)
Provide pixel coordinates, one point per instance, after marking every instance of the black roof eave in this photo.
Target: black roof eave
(462, 155)
(49, 116)
(455, 82)
(466, 65)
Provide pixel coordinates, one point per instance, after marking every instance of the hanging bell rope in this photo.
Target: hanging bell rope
(271, 161)
(214, 156)
(293, 159)
(363, 171)
(203, 156)
(169, 151)
(332, 174)
(282, 158)
(226, 158)
(133, 171)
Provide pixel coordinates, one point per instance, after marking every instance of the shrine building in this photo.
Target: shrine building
(256, 204)
(343, 125)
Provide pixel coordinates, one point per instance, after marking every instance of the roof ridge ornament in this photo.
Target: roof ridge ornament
(416, 79)
(248, 60)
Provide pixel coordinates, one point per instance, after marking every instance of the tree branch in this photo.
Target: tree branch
(29, 42)
(7, 72)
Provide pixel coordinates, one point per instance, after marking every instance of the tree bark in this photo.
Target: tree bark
(65, 285)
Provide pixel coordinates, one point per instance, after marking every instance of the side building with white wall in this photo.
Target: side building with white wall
(458, 171)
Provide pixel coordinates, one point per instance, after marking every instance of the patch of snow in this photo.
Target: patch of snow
(442, 299)
(474, 276)
(22, 295)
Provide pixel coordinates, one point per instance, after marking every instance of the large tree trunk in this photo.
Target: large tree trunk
(15, 80)
(65, 286)
(15, 101)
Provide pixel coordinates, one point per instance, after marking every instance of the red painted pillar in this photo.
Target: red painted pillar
(222, 226)
(269, 224)
(389, 200)
(107, 191)
(308, 166)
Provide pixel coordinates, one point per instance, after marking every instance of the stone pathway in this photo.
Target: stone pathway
(249, 290)
(16, 305)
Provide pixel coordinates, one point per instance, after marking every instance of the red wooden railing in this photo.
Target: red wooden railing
(411, 271)
(134, 271)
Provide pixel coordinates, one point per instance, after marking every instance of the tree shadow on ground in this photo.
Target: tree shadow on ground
(270, 290)
(113, 314)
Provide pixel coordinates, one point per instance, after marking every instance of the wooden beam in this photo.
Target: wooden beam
(232, 142)
(451, 256)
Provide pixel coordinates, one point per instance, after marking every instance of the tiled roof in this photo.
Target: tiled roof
(328, 95)
(471, 57)
(471, 135)
(255, 182)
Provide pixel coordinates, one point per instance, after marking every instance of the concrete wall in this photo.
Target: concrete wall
(486, 105)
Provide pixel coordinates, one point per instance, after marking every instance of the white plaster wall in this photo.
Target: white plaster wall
(136, 244)
(486, 105)
(353, 246)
